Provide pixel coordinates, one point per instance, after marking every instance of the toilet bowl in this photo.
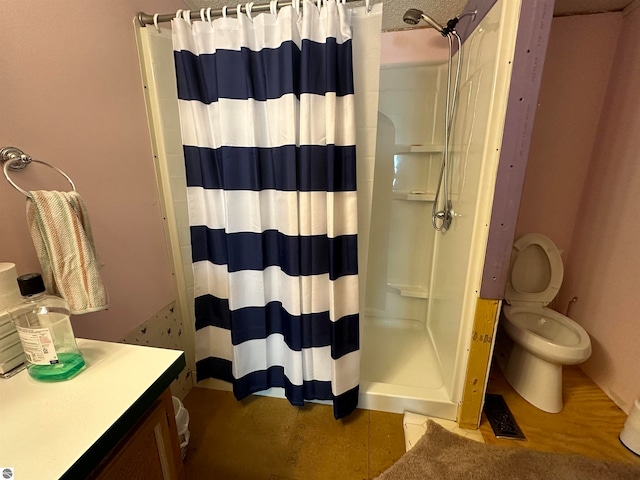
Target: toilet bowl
(543, 339)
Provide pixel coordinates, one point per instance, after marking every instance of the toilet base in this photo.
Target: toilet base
(537, 381)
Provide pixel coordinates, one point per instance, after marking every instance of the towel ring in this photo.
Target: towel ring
(16, 160)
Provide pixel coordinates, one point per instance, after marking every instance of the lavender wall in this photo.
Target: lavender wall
(526, 76)
(72, 96)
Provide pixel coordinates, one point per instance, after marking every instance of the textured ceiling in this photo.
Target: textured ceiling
(441, 10)
(572, 7)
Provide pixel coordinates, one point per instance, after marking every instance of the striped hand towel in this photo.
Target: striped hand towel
(62, 235)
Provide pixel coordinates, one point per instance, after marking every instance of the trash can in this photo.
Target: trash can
(630, 435)
(182, 422)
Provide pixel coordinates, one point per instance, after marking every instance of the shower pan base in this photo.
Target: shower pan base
(400, 370)
(385, 397)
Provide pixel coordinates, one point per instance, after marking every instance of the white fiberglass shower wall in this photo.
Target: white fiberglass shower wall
(421, 286)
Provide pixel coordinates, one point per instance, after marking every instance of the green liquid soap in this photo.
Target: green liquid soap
(70, 364)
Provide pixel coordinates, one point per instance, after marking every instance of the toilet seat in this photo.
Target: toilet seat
(535, 273)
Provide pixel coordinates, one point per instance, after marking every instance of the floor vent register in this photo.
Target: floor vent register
(501, 419)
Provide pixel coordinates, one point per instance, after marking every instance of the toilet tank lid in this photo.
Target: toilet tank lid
(544, 264)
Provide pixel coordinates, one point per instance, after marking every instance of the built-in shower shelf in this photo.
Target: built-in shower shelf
(414, 196)
(412, 291)
(426, 148)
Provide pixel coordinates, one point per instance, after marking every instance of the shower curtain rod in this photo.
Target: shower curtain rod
(145, 19)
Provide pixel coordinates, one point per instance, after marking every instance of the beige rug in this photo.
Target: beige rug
(440, 454)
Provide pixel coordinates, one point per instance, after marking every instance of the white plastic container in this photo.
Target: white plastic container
(11, 351)
(182, 422)
(630, 435)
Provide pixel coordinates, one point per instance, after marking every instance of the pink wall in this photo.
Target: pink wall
(582, 186)
(413, 46)
(576, 70)
(72, 96)
(604, 266)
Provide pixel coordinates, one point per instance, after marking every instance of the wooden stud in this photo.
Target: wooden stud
(484, 327)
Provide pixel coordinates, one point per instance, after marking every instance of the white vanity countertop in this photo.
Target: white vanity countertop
(62, 429)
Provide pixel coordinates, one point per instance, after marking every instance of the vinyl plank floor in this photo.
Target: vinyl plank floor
(589, 423)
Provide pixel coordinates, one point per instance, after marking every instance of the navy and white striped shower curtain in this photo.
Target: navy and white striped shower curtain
(268, 127)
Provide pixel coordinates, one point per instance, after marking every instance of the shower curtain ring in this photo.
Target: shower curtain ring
(247, 7)
(209, 14)
(179, 14)
(186, 15)
(155, 22)
(273, 6)
(224, 11)
(239, 10)
(202, 17)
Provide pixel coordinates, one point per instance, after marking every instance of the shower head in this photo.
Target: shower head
(413, 16)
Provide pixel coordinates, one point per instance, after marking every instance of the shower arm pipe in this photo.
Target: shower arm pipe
(145, 19)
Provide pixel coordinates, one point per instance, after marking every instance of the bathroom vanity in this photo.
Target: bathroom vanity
(113, 420)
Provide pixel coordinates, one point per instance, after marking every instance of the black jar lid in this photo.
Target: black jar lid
(30, 284)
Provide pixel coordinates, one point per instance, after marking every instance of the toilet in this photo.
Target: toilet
(543, 339)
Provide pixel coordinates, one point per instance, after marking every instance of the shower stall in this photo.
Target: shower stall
(422, 285)
(419, 287)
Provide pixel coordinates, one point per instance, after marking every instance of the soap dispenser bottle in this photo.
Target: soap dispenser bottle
(45, 331)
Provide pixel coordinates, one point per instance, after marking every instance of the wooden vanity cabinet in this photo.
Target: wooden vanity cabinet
(150, 450)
